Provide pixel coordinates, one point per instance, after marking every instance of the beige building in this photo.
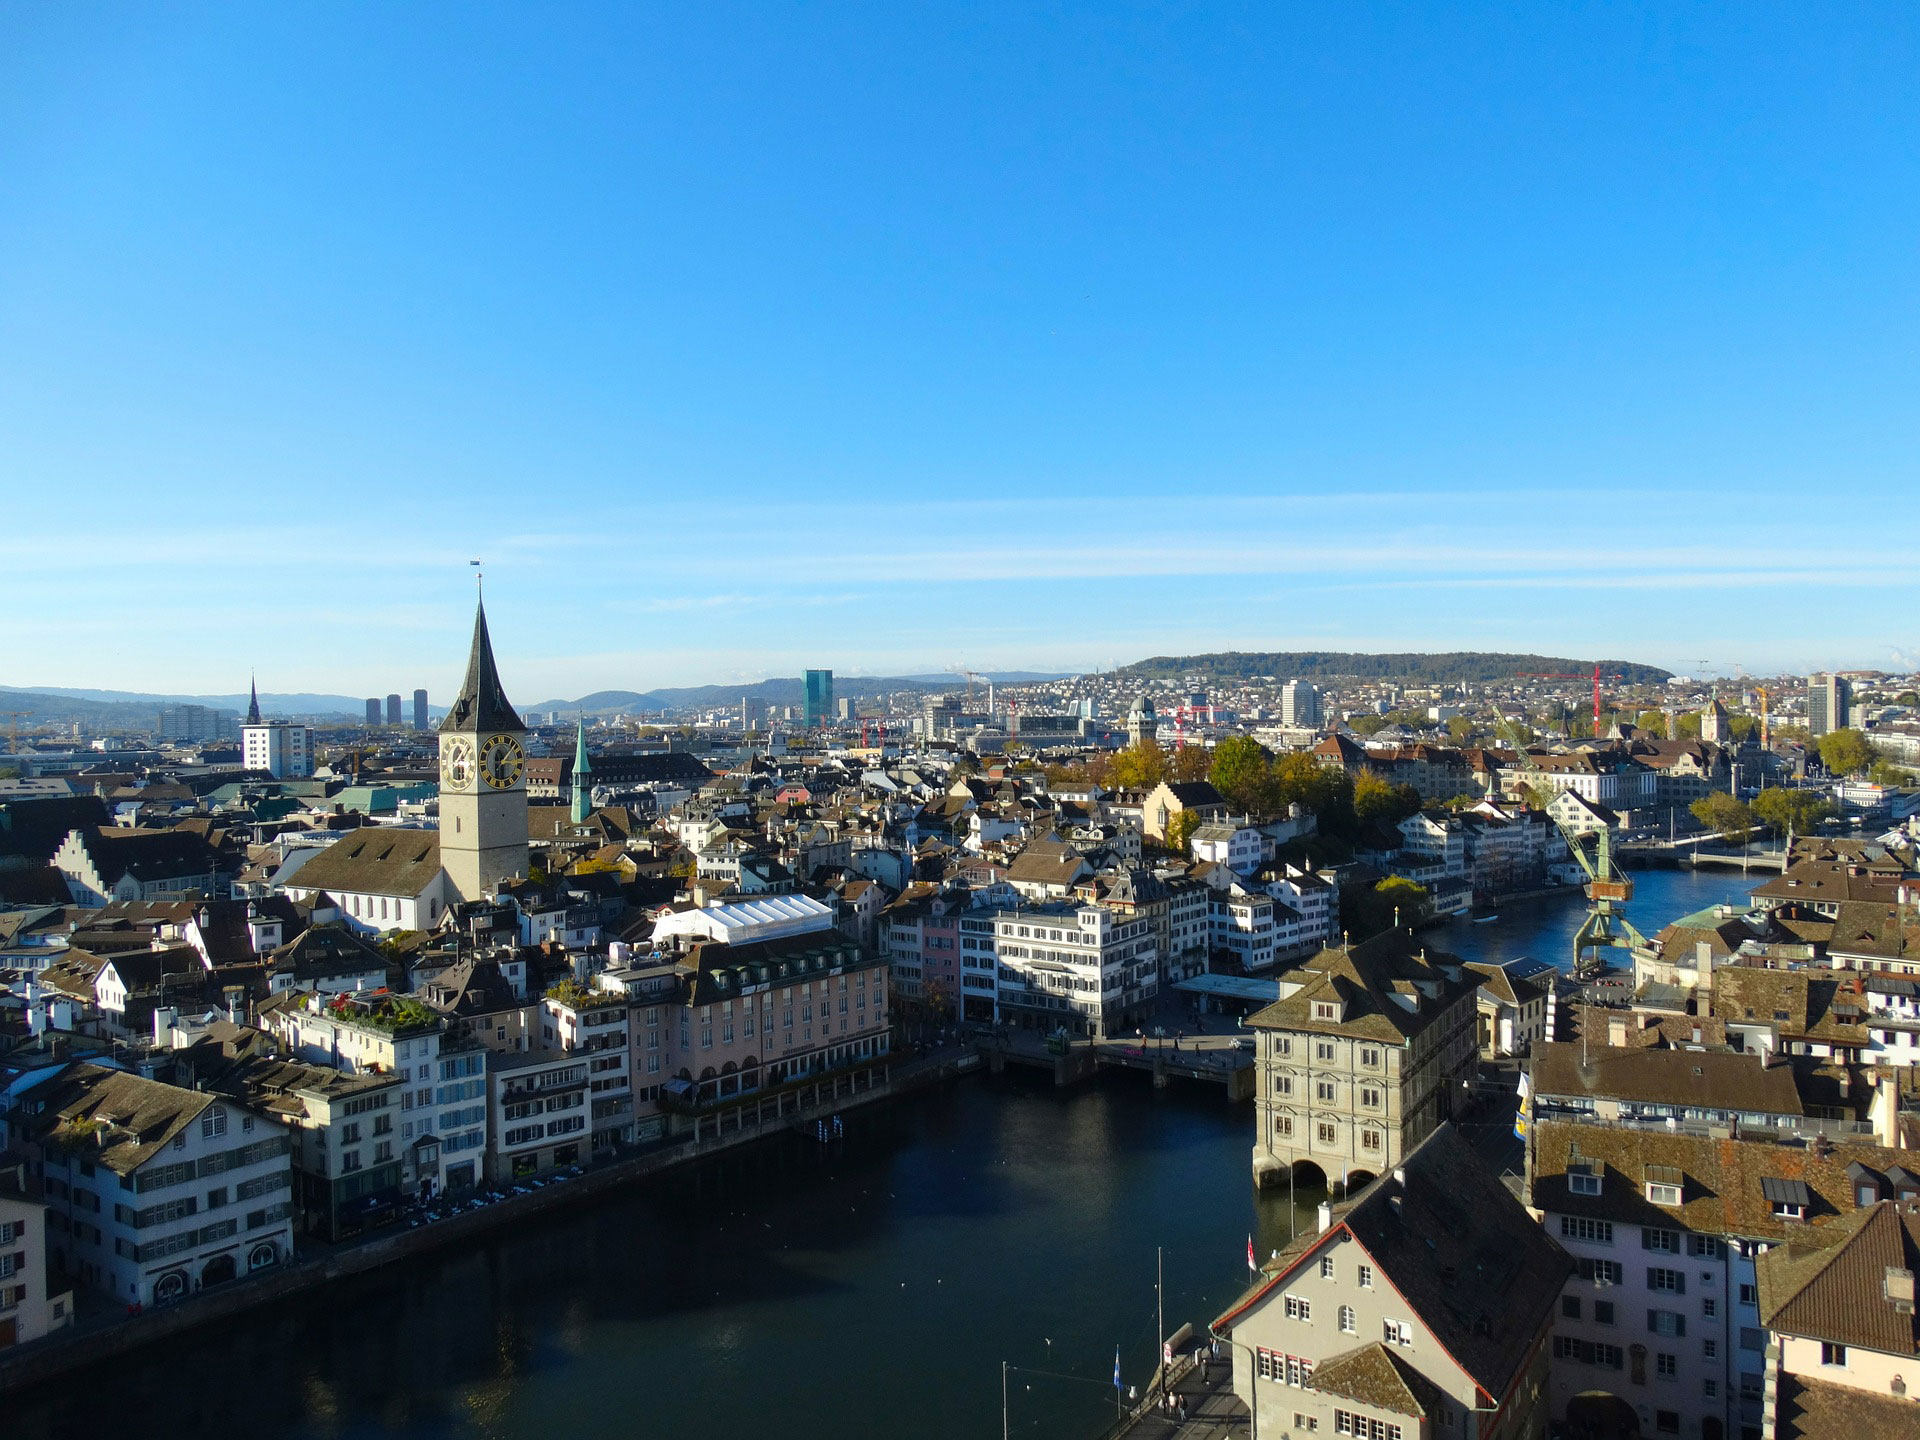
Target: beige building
(30, 1305)
(1369, 1048)
(1419, 1310)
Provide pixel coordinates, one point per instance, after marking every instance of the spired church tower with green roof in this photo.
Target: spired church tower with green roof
(483, 779)
(582, 776)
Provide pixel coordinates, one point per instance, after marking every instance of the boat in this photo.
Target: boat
(1485, 919)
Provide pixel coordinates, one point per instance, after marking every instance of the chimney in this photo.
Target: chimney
(236, 998)
(1326, 1216)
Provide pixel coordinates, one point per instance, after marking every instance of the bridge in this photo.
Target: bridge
(1693, 853)
(1208, 1059)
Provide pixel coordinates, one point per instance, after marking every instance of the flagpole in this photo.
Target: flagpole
(1160, 1310)
(1003, 1400)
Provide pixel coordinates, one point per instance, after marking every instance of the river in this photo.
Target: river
(864, 1290)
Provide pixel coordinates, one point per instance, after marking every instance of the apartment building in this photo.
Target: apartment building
(1368, 1054)
(1081, 968)
(538, 1109)
(596, 1024)
(32, 1305)
(1418, 1309)
(155, 1192)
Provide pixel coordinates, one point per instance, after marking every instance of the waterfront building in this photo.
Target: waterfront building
(1237, 844)
(1839, 1301)
(442, 1110)
(595, 1024)
(1418, 1309)
(1660, 1326)
(539, 1112)
(1373, 1048)
(32, 1305)
(156, 1192)
(1244, 925)
(1081, 968)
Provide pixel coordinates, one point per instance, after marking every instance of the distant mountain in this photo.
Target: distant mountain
(998, 677)
(1454, 666)
(123, 707)
(782, 691)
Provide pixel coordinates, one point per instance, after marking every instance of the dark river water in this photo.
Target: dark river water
(870, 1288)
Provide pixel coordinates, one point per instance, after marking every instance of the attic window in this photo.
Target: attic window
(1325, 1010)
(1583, 1178)
(1664, 1184)
(1789, 1198)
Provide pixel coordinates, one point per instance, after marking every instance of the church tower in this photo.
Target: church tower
(483, 779)
(582, 776)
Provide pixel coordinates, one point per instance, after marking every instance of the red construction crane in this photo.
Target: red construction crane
(1597, 677)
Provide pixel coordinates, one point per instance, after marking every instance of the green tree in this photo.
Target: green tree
(1909, 698)
(1365, 725)
(1366, 911)
(1732, 818)
(1460, 727)
(1180, 831)
(1243, 772)
(1795, 810)
(1653, 720)
(1741, 726)
(1845, 752)
(1687, 725)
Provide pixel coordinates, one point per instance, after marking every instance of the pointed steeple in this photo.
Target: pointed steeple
(582, 775)
(253, 702)
(481, 705)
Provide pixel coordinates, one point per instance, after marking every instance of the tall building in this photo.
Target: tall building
(819, 706)
(393, 710)
(1300, 705)
(1143, 724)
(373, 713)
(1714, 727)
(1829, 700)
(483, 779)
(281, 750)
(420, 721)
(196, 722)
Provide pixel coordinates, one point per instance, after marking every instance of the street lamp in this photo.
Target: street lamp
(1253, 1375)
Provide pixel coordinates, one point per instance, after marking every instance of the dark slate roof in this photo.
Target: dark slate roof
(135, 1117)
(481, 706)
(147, 855)
(34, 826)
(323, 952)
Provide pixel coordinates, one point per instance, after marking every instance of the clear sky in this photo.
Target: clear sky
(891, 336)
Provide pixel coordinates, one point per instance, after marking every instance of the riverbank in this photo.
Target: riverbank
(87, 1344)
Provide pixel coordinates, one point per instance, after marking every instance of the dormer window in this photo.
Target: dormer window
(1664, 1185)
(1789, 1198)
(1583, 1178)
(1325, 1010)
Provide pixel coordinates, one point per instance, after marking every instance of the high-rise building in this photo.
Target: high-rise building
(819, 706)
(196, 722)
(281, 750)
(1300, 705)
(1829, 701)
(420, 710)
(373, 712)
(483, 779)
(393, 710)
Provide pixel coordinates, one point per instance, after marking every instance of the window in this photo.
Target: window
(1570, 1306)
(1666, 1366)
(1667, 1422)
(1370, 1058)
(1710, 1307)
(1348, 1323)
(1749, 1296)
(1663, 1194)
(1345, 1422)
(1326, 1267)
(1834, 1355)
(1369, 1139)
(1665, 1241)
(1305, 1422)
(1710, 1349)
(1583, 1182)
(216, 1197)
(1324, 1089)
(1710, 1388)
(1668, 1323)
(1703, 1247)
(1593, 1232)
(1283, 1125)
(1396, 1332)
(1370, 1098)
(1323, 1051)
(1283, 1085)
(1603, 1312)
(1299, 1308)
(213, 1124)
(1666, 1282)
(1326, 1132)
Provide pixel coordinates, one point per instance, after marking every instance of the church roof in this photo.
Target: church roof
(482, 704)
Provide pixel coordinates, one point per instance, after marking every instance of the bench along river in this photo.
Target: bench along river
(866, 1289)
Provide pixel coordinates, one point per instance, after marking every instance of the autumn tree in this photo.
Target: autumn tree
(1190, 762)
(1180, 830)
(1845, 752)
(1721, 812)
(1795, 810)
(1366, 911)
(1378, 800)
(1138, 767)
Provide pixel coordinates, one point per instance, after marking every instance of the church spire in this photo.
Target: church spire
(481, 705)
(253, 701)
(582, 775)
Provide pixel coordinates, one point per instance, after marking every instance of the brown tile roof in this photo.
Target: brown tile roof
(1816, 1410)
(123, 1120)
(1710, 1080)
(375, 860)
(1376, 1376)
(1388, 988)
(1831, 1283)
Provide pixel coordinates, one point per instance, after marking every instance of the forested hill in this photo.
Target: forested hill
(1455, 666)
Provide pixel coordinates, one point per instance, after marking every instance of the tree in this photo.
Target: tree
(1180, 831)
(1139, 766)
(1687, 725)
(1795, 810)
(1191, 762)
(1741, 726)
(1654, 720)
(1885, 772)
(1909, 698)
(1720, 811)
(1365, 725)
(1365, 912)
(1460, 727)
(1845, 752)
(1377, 800)
(1242, 772)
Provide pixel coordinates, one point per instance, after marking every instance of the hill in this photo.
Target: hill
(1454, 666)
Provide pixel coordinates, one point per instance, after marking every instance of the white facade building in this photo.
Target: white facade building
(283, 751)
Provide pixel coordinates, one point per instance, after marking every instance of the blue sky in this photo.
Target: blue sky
(887, 337)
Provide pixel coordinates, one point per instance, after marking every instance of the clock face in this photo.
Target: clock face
(501, 762)
(456, 764)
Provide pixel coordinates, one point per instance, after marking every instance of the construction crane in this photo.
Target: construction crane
(14, 717)
(1766, 733)
(1596, 677)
